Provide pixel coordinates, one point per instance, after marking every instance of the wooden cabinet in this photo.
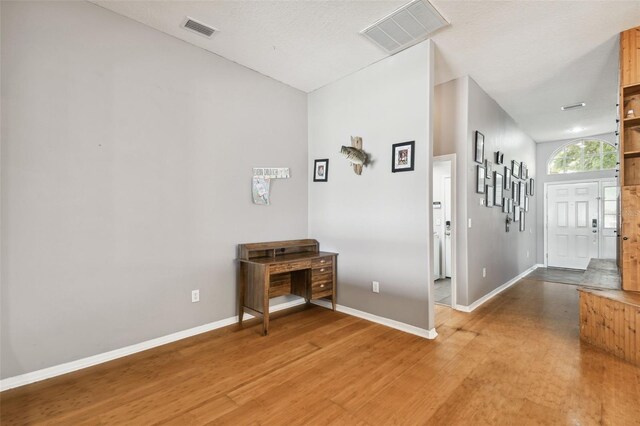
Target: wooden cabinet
(630, 238)
(629, 134)
(630, 57)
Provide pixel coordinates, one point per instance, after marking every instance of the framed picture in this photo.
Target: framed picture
(515, 169)
(321, 170)
(489, 193)
(479, 155)
(524, 172)
(488, 165)
(516, 214)
(510, 205)
(499, 157)
(522, 225)
(526, 204)
(507, 178)
(497, 188)
(402, 156)
(515, 193)
(505, 205)
(531, 186)
(522, 193)
(480, 175)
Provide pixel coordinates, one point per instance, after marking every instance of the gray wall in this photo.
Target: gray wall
(379, 222)
(543, 154)
(126, 167)
(450, 137)
(463, 107)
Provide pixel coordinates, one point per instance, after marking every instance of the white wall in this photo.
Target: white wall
(543, 155)
(379, 222)
(463, 107)
(126, 167)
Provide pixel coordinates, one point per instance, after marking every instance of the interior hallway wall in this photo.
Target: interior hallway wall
(463, 107)
(379, 222)
(127, 159)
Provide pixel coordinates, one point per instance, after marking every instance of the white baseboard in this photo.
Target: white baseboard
(57, 370)
(498, 290)
(407, 328)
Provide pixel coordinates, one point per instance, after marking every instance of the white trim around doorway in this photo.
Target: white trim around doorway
(454, 223)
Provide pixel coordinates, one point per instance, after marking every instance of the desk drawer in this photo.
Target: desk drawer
(321, 278)
(322, 288)
(326, 261)
(291, 266)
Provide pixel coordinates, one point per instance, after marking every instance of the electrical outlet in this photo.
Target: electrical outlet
(195, 296)
(484, 272)
(375, 286)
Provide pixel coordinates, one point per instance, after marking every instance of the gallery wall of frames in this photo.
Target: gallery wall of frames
(507, 186)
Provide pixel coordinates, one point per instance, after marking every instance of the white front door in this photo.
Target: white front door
(572, 224)
(609, 221)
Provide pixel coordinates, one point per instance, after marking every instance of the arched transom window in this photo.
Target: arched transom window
(583, 155)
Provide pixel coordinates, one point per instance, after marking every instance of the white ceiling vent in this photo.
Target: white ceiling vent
(198, 27)
(410, 24)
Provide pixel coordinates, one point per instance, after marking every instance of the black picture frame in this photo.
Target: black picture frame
(480, 177)
(505, 205)
(479, 145)
(403, 156)
(321, 170)
(489, 196)
(515, 169)
(524, 171)
(499, 157)
(531, 186)
(522, 221)
(526, 204)
(497, 188)
(522, 193)
(516, 213)
(507, 178)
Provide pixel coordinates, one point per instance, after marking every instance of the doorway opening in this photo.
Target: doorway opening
(444, 226)
(580, 223)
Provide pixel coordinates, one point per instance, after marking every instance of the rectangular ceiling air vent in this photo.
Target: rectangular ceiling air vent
(198, 27)
(410, 24)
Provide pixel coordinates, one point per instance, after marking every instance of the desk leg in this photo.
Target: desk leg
(335, 281)
(265, 305)
(243, 283)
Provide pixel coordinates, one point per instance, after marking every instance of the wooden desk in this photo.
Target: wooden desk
(278, 268)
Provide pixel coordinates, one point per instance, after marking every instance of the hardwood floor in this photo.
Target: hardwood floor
(515, 360)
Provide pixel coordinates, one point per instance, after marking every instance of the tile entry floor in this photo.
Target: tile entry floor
(601, 273)
(443, 291)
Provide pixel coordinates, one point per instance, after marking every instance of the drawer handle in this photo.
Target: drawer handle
(322, 270)
(321, 285)
(322, 261)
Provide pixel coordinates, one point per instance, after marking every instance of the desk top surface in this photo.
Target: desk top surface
(288, 258)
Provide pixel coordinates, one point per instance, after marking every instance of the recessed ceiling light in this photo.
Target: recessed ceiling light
(576, 129)
(573, 106)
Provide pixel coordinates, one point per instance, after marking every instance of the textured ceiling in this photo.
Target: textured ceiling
(531, 56)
